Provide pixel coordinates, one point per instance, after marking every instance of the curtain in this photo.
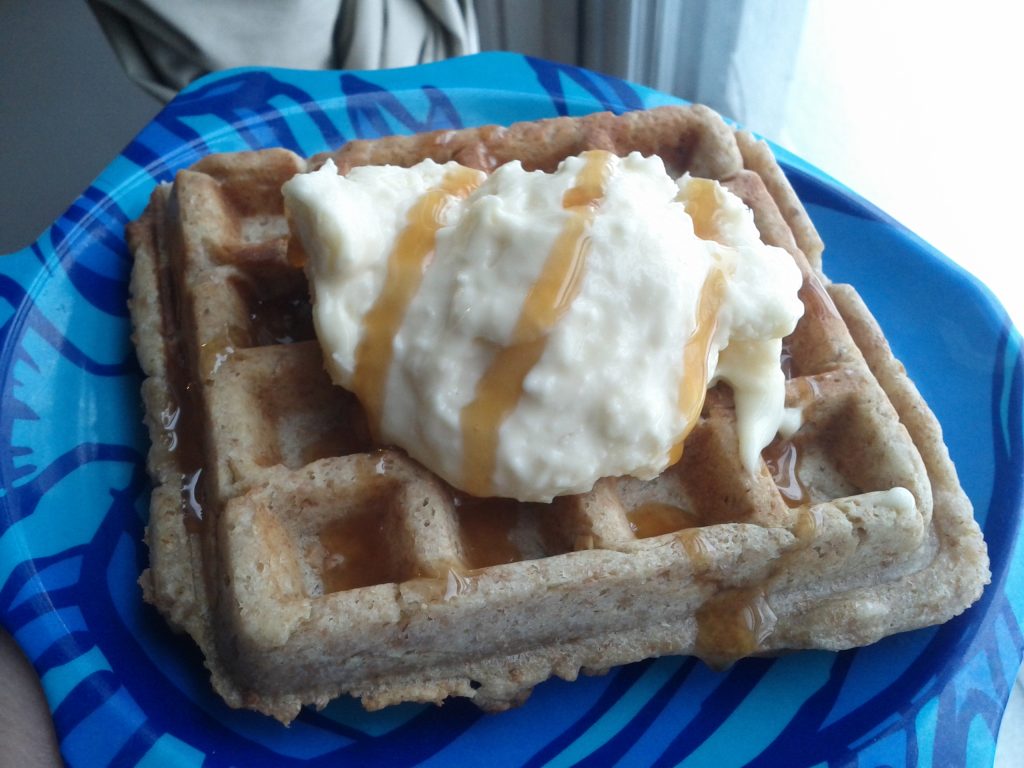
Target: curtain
(736, 56)
(165, 44)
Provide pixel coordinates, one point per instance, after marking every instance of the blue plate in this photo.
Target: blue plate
(126, 691)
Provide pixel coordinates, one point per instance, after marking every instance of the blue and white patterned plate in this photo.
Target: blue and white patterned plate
(125, 691)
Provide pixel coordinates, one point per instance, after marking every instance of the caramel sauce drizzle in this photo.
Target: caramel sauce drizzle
(700, 199)
(501, 386)
(816, 299)
(654, 518)
(786, 359)
(808, 525)
(169, 417)
(192, 494)
(737, 622)
(182, 419)
(782, 459)
(295, 252)
(407, 262)
(486, 526)
(699, 551)
(693, 385)
(217, 350)
(356, 553)
(734, 624)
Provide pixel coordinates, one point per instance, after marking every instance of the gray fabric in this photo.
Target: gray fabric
(165, 44)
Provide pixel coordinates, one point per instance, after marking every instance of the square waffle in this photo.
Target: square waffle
(307, 563)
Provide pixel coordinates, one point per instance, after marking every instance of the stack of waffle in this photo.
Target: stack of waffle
(307, 562)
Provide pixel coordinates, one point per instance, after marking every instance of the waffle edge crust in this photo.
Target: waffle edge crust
(307, 563)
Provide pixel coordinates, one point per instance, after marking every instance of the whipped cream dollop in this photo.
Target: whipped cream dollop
(524, 334)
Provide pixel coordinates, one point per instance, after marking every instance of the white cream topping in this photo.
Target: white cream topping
(596, 376)
(896, 498)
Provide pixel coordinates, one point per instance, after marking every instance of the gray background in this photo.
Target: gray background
(66, 109)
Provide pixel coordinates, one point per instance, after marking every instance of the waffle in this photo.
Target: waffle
(307, 562)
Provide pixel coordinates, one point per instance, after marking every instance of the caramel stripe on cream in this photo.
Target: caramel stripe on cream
(700, 199)
(407, 262)
(783, 459)
(501, 386)
(693, 385)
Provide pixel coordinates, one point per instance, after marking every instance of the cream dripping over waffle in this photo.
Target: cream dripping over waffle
(524, 334)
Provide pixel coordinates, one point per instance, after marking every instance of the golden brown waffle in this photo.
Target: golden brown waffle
(306, 563)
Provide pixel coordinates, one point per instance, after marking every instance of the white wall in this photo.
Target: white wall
(916, 106)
